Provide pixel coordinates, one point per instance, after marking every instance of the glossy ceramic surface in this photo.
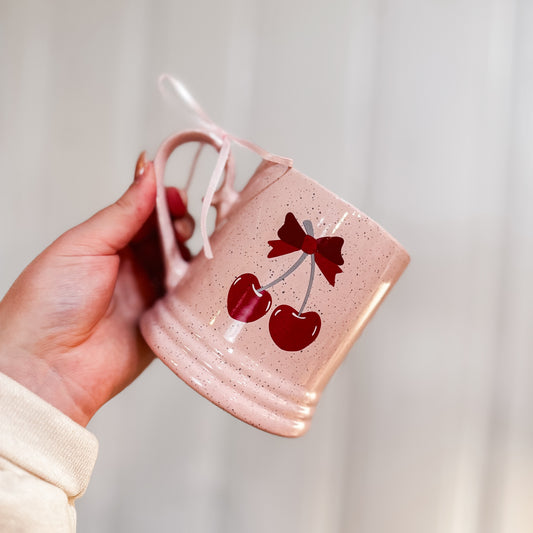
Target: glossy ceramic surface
(260, 328)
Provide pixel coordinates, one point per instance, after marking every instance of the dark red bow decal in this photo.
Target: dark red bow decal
(327, 250)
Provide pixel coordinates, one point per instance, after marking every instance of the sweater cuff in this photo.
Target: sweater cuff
(44, 441)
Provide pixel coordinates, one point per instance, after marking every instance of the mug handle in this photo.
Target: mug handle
(175, 265)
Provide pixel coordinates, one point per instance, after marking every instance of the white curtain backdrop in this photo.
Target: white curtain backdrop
(420, 112)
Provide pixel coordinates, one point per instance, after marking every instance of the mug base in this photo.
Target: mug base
(234, 382)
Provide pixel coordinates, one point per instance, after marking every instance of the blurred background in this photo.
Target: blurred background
(420, 112)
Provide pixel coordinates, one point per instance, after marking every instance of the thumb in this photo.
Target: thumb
(112, 228)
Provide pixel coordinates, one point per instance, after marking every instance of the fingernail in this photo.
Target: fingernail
(141, 165)
(184, 227)
(176, 201)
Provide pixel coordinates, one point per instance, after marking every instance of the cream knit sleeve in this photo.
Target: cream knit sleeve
(46, 460)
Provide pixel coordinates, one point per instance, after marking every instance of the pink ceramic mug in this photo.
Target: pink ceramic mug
(296, 274)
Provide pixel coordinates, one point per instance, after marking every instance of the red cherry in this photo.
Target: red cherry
(245, 302)
(292, 332)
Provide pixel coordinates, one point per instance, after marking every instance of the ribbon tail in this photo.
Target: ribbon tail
(184, 93)
(210, 192)
(285, 161)
(281, 248)
(327, 267)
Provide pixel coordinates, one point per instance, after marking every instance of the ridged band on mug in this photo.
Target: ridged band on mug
(233, 381)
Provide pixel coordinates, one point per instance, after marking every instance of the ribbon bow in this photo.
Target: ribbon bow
(225, 139)
(327, 250)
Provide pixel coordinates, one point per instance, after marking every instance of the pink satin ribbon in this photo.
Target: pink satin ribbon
(225, 140)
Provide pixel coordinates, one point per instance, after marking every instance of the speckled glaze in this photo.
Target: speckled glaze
(236, 364)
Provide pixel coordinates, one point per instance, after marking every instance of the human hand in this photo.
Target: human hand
(69, 324)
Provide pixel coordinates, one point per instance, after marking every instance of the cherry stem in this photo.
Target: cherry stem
(285, 274)
(311, 277)
(309, 229)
